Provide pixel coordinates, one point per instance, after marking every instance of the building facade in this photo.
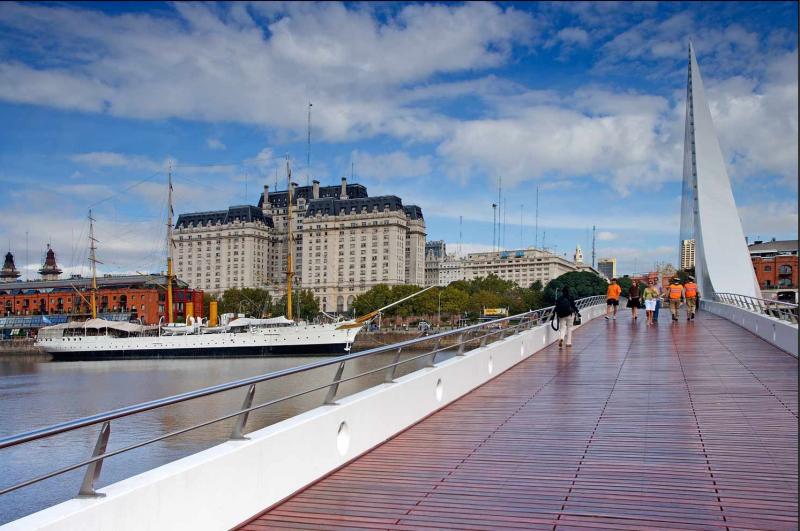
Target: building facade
(137, 296)
(223, 249)
(607, 267)
(522, 266)
(687, 254)
(775, 263)
(345, 243)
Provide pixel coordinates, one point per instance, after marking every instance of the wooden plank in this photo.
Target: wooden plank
(687, 426)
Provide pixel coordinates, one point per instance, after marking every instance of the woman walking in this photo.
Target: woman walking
(651, 296)
(633, 298)
(566, 310)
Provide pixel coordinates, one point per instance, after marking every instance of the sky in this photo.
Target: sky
(436, 103)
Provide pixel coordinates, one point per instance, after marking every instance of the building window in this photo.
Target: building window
(767, 268)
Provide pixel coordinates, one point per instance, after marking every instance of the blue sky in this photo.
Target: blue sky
(431, 102)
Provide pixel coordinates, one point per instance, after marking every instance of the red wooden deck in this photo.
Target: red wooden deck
(681, 426)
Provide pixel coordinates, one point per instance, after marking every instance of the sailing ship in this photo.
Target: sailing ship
(99, 339)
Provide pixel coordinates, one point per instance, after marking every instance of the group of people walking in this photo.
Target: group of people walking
(650, 298)
(566, 314)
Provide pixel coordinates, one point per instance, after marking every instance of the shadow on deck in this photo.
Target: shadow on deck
(687, 425)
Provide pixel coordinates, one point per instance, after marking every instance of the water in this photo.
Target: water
(38, 394)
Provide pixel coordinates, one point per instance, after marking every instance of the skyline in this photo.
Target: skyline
(584, 100)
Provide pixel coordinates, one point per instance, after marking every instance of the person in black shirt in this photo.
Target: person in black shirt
(565, 313)
(634, 298)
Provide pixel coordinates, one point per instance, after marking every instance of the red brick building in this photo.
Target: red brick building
(775, 263)
(140, 296)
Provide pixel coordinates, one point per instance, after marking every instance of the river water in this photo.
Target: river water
(38, 394)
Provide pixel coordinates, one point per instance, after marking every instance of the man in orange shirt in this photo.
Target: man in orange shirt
(612, 298)
(692, 296)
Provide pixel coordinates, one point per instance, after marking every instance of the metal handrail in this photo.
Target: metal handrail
(784, 311)
(466, 335)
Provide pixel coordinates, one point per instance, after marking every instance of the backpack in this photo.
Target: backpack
(563, 306)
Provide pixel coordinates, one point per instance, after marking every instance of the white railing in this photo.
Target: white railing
(779, 310)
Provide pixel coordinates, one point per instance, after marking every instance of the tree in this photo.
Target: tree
(252, 301)
(309, 305)
(625, 284)
(454, 300)
(581, 284)
(377, 297)
(483, 299)
(399, 292)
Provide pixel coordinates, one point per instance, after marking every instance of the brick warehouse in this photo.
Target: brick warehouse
(775, 263)
(141, 296)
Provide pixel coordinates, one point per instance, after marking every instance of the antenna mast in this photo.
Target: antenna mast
(521, 239)
(289, 240)
(594, 238)
(499, 209)
(170, 315)
(308, 151)
(93, 260)
(505, 224)
(536, 241)
(494, 224)
(460, 234)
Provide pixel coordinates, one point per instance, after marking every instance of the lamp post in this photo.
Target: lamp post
(439, 310)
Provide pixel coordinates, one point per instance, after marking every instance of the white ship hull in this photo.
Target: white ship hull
(300, 340)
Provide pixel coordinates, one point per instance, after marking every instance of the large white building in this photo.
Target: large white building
(345, 243)
(224, 249)
(687, 254)
(523, 266)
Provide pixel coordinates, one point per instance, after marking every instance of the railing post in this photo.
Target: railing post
(483, 340)
(432, 362)
(330, 398)
(93, 469)
(238, 428)
(391, 371)
(461, 345)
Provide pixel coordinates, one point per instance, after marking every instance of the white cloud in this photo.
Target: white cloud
(215, 143)
(757, 122)
(605, 236)
(770, 219)
(384, 166)
(213, 63)
(623, 139)
(109, 159)
(576, 36)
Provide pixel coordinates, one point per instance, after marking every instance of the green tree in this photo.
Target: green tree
(427, 303)
(405, 309)
(309, 305)
(483, 299)
(255, 302)
(377, 297)
(625, 284)
(581, 284)
(454, 301)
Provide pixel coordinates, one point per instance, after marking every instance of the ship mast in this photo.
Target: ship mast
(169, 246)
(93, 260)
(289, 240)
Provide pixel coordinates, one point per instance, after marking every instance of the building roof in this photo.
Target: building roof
(279, 198)
(244, 213)
(775, 247)
(67, 284)
(335, 207)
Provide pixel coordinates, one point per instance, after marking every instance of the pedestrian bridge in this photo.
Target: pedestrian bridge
(688, 425)
(677, 425)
